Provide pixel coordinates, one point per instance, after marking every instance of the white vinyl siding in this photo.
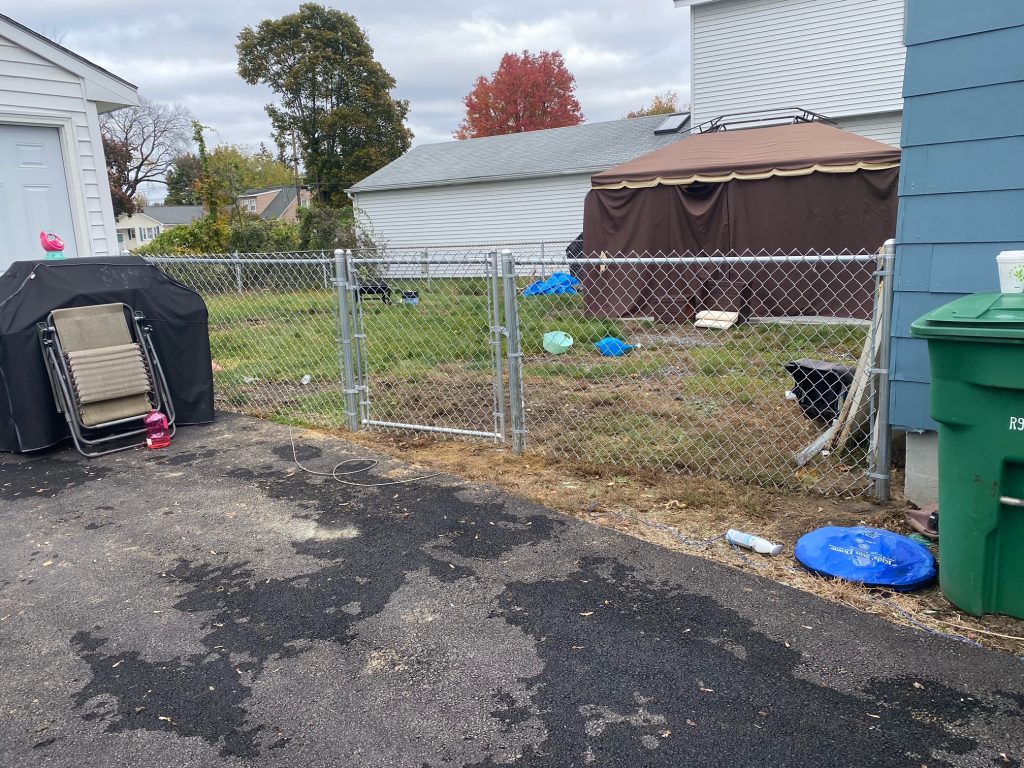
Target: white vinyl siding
(837, 57)
(548, 209)
(30, 85)
(885, 127)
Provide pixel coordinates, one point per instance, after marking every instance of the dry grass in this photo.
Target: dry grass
(689, 513)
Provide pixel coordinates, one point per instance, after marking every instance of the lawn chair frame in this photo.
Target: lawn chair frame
(57, 366)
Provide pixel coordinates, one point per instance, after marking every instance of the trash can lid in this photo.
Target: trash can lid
(980, 315)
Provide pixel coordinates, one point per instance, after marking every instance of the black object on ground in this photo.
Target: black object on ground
(820, 387)
(375, 289)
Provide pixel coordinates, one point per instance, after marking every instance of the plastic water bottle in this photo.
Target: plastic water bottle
(158, 432)
(750, 541)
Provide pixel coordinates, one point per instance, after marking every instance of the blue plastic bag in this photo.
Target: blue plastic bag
(869, 556)
(559, 283)
(611, 347)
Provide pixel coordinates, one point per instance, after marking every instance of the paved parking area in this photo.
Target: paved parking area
(210, 605)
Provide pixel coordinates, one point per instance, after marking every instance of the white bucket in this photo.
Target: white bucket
(1011, 271)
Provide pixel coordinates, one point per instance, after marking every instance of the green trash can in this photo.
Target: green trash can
(976, 349)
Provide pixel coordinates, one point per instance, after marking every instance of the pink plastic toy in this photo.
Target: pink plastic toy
(51, 242)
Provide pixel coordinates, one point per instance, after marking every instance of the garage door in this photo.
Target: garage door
(33, 193)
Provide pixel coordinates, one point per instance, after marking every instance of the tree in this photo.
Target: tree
(527, 92)
(663, 104)
(237, 170)
(182, 179)
(119, 160)
(153, 135)
(333, 95)
(232, 168)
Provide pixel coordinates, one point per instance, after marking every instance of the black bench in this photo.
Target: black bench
(375, 289)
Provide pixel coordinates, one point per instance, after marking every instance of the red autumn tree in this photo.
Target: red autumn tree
(527, 92)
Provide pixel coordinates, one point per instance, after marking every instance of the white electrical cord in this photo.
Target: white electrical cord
(334, 473)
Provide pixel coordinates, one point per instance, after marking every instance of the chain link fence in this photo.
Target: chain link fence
(757, 367)
(273, 332)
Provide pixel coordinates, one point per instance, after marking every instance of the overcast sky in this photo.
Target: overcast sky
(622, 52)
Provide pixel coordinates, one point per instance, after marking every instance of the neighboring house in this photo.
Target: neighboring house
(272, 203)
(53, 173)
(145, 224)
(961, 191)
(524, 187)
(841, 58)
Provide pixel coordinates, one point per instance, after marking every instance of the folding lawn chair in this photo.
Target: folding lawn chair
(105, 375)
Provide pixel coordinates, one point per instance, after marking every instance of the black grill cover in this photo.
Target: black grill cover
(30, 290)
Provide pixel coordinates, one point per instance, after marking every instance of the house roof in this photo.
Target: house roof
(174, 214)
(753, 153)
(586, 148)
(262, 191)
(102, 86)
(276, 207)
(688, 3)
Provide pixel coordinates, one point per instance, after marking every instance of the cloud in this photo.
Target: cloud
(622, 53)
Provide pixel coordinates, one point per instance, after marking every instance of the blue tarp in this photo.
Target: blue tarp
(869, 556)
(557, 284)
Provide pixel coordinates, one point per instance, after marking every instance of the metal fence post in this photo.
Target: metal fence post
(499, 354)
(883, 453)
(238, 274)
(358, 340)
(515, 353)
(341, 280)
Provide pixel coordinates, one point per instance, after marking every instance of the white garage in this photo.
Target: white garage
(52, 169)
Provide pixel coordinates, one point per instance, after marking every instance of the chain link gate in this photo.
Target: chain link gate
(423, 344)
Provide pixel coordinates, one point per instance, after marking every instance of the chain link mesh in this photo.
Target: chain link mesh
(754, 401)
(427, 342)
(273, 332)
(782, 397)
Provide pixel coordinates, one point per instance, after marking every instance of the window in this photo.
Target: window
(148, 233)
(673, 123)
(249, 204)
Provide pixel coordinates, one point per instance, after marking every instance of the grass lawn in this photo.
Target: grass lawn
(707, 401)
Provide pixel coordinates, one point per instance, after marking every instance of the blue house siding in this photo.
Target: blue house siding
(962, 171)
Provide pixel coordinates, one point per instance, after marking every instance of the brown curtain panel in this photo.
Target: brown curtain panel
(814, 212)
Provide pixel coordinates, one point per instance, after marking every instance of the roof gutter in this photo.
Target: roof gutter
(478, 180)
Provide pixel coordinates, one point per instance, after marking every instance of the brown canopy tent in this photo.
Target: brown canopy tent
(806, 187)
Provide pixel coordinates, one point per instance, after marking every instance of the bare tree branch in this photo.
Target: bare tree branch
(155, 134)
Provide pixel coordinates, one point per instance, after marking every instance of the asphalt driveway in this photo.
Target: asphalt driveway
(209, 605)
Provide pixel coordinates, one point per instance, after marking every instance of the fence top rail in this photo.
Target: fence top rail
(711, 258)
(236, 260)
(559, 259)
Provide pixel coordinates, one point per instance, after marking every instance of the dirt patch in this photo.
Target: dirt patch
(691, 513)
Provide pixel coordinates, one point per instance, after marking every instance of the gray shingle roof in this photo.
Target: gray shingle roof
(279, 204)
(174, 214)
(586, 148)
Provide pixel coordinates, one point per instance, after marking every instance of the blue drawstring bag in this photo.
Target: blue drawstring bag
(610, 347)
(869, 556)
